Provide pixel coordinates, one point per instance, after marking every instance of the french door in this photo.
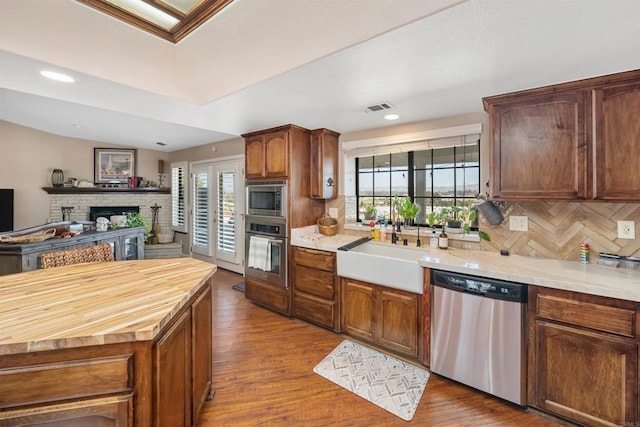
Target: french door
(217, 207)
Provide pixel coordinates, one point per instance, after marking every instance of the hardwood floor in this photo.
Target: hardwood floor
(263, 375)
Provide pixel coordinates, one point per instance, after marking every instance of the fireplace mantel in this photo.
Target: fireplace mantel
(90, 190)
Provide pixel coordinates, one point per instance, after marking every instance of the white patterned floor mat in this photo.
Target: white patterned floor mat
(392, 384)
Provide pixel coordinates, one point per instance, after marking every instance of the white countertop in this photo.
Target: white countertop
(308, 237)
(622, 283)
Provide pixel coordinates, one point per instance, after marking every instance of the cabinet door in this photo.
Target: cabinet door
(323, 164)
(201, 333)
(116, 411)
(173, 375)
(254, 158)
(540, 147)
(586, 377)
(359, 309)
(398, 321)
(617, 141)
(276, 155)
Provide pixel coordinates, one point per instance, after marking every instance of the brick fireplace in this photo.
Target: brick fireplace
(82, 203)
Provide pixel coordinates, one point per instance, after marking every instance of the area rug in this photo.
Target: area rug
(383, 380)
(239, 287)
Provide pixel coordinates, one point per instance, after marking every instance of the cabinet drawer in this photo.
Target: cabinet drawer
(315, 282)
(315, 310)
(315, 259)
(51, 382)
(268, 295)
(592, 315)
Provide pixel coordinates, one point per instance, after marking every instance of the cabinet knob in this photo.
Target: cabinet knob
(330, 182)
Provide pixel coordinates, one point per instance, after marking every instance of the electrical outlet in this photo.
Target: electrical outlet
(626, 230)
(518, 223)
(333, 212)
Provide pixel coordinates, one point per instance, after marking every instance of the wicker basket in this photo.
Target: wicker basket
(328, 226)
(29, 238)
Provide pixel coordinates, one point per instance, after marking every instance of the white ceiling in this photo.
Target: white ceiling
(314, 63)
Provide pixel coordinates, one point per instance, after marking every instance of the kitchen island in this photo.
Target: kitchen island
(116, 343)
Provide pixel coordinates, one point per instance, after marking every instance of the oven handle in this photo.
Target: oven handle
(276, 241)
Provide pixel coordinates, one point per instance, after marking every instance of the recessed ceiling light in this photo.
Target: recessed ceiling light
(391, 117)
(57, 76)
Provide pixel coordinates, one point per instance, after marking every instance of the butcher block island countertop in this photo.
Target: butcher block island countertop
(106, 341)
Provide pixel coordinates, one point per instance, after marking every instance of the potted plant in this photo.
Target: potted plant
(467, 226)
(406, 208)
(452, 216)
(370, 211)
(137, 220)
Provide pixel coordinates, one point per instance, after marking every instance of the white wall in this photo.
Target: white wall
(28, 157)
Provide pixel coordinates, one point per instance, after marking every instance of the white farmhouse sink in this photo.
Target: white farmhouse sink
(383, 264)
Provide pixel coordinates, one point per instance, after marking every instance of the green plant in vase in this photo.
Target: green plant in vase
(406, 208)
(135, 219)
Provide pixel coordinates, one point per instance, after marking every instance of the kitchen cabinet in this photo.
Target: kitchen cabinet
(267, 155)
(323, 179)
(316, 296)
(282, 153)
(382, 316)
(151, 367)
(617, 135)
(183, 354)
(583, 357)
(570, 141)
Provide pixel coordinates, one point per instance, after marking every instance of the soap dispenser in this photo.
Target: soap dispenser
(433, 243)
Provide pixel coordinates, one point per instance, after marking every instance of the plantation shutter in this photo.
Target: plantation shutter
(200, 229)
(226, 213)
(179, 197)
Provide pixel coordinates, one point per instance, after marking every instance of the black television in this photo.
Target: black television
(6, 209)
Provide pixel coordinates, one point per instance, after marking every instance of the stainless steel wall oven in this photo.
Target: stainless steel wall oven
(266, 242)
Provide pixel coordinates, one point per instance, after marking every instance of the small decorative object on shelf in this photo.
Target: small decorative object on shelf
(66, 213)
(57, 178)
(155, 227)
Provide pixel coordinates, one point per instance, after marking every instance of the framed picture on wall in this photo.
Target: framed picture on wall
(113, 165)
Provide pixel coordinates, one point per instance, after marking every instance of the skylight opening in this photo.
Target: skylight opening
(147, 12)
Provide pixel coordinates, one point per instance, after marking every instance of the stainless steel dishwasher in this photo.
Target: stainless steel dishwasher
(478, 333)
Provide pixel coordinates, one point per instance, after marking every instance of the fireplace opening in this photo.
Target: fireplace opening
(107, 211)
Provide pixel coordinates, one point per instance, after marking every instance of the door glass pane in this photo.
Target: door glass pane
(200, 209)
(226, 213)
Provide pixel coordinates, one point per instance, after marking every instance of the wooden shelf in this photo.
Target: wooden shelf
(89, 190)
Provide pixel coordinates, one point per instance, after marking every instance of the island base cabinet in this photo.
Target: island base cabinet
(183, 361)
(583, 357)
(116, 411)
(383, 316)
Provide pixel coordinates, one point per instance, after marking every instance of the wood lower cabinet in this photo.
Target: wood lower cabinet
(583, 357)
(426, 318)
(271, 296)
(316, 295)
(183, 366)
(571, 141)
(383, 316)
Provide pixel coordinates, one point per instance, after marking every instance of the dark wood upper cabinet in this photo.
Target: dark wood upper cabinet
(617, 137)
(267, 156)
(323, 180)
(572, 141)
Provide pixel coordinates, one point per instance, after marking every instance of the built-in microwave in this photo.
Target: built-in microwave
(268, 198)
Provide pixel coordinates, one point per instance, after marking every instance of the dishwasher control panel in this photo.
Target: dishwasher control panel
(490, 288)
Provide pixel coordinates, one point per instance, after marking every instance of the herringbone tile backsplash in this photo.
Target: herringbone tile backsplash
(556, 229)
